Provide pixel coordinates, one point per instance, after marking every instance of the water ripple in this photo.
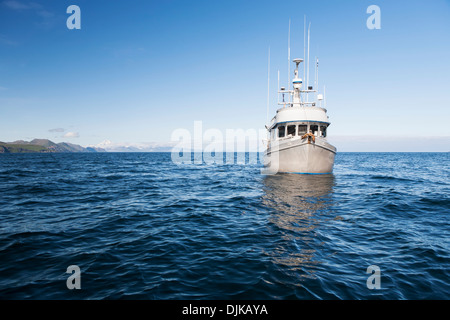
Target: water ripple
(141, 227)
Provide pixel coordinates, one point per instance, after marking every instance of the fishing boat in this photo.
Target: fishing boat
(297, 134)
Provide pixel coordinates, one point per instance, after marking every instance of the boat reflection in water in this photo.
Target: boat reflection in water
(301, 206)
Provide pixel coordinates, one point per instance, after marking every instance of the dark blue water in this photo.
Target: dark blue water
(141, 227)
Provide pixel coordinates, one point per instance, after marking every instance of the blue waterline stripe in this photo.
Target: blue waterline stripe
(307, 172)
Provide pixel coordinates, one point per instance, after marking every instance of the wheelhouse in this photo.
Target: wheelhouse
(298, 129)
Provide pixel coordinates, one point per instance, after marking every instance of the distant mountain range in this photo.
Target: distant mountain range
(43, 146)
(109, 146)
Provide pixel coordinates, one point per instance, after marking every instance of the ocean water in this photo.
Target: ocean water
(141, 227)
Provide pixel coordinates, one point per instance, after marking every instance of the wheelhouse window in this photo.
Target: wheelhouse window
(302, 129)
(291, 130)
(323, 130)
(281, 131)
(314, 128)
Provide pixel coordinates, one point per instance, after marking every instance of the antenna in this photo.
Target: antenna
(289, 55)
(304, 48)
(278, 87)
(268, 88)
(317, 75)
(307, 74)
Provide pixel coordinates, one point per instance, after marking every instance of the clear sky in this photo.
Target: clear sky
(138, 70)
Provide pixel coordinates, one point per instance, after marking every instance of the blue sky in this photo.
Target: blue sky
(138, 70)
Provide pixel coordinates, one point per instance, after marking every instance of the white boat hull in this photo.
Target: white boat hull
(299, 156)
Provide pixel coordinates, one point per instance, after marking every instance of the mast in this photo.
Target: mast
(297, 84)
